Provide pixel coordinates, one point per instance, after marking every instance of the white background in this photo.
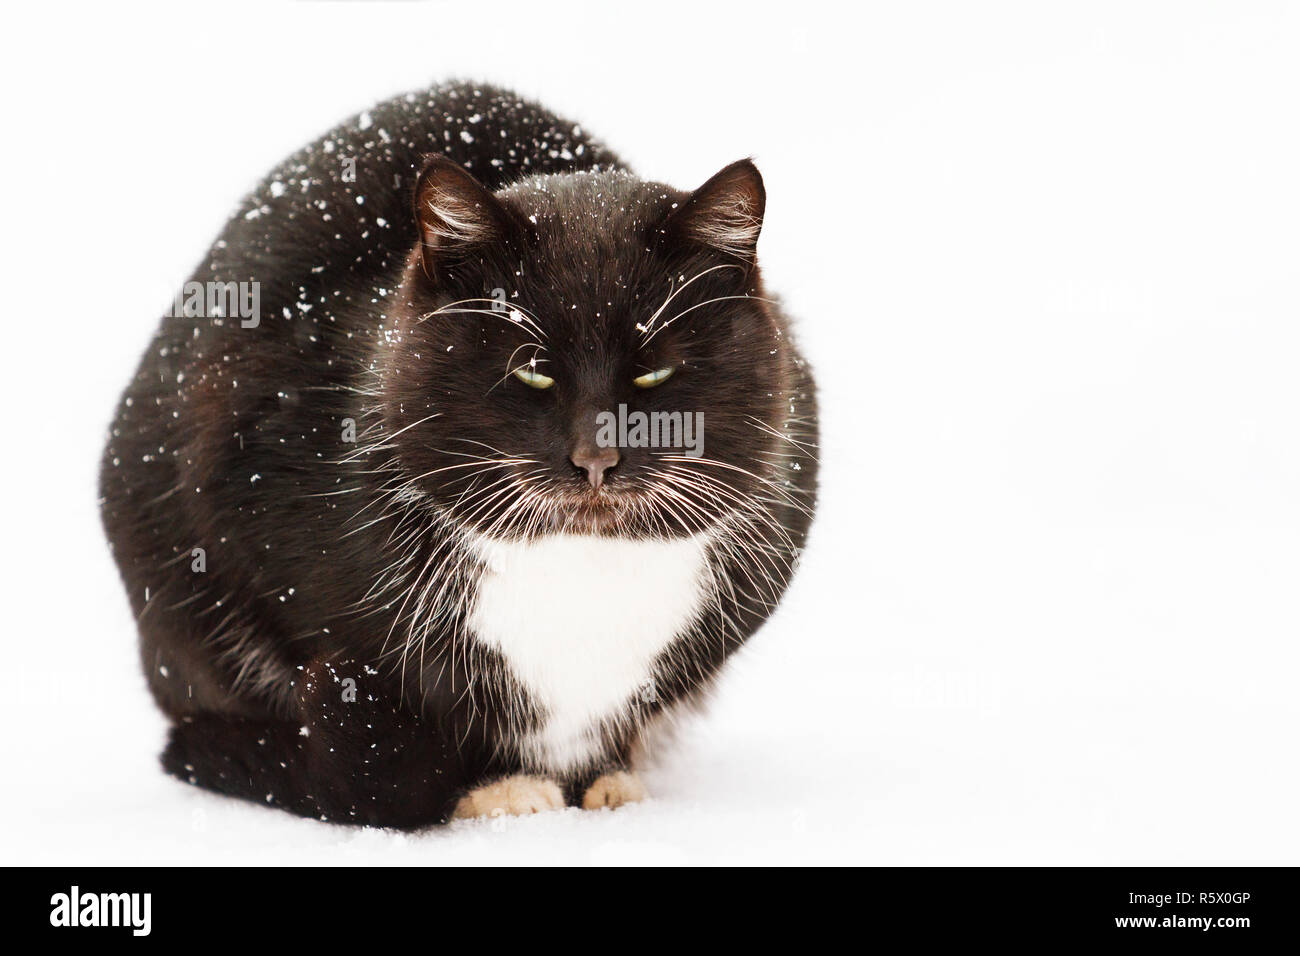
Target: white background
(1044, 257)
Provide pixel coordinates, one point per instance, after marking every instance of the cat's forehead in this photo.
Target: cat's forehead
(584, 208)
(592, 262)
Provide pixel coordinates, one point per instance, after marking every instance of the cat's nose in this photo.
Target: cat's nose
(595, 461)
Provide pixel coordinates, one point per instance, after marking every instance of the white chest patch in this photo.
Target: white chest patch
(579, 619)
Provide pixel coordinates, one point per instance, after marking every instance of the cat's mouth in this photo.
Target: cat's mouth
(589, 513)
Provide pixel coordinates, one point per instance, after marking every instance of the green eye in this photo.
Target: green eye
(651, 379)
(533, 379)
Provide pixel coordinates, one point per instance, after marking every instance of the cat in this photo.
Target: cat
(383, 569)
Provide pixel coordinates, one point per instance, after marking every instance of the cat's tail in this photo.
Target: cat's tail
(254, 760)
(353, 758)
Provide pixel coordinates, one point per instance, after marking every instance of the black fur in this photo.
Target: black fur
(325, 560)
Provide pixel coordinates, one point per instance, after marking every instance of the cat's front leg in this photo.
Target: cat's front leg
(517, 795)
(614, 789)
(608, 786)
(523, 794)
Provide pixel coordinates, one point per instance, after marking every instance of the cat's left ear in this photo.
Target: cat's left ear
(725, 214)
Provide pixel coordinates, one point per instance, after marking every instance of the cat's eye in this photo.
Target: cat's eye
(651, 379)
(533, 379)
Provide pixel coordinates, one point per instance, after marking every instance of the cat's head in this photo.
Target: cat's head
(584, 352)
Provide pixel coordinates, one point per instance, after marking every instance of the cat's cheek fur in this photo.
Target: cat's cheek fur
(580, 621)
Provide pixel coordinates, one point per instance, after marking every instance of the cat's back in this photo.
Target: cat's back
(343, 202)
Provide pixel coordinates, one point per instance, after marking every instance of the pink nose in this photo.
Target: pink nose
(595, 462)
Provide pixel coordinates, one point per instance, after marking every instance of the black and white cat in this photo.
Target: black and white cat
(386, 569)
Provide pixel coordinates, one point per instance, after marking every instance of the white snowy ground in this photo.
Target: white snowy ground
(1046, 265)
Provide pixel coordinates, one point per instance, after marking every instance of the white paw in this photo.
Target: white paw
(518, 795)
(613, 790)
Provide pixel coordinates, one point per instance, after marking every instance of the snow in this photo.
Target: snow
(1045, 266)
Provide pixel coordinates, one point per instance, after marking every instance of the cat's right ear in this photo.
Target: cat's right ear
(455, 215)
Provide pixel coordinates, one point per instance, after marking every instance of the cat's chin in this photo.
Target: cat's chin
(601, 515)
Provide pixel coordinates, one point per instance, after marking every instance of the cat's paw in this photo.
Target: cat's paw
(518, 796)
(613, 790)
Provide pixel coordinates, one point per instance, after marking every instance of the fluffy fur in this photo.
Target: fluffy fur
(373, 571)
